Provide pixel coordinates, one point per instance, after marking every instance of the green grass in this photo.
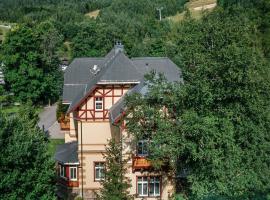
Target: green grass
(53, 144)
(10, 109)
(16, 108)
(191, 5)
(93, 14)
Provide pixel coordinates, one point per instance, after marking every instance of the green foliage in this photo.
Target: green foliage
(31, 66)
(27, 171)
(217, 124)
(61, 109)
(115, 184)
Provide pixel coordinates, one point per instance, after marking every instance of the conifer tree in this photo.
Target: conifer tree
(115, 184)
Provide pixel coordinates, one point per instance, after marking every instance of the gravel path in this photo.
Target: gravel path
(49, 123)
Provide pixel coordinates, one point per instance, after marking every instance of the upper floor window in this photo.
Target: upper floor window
(148, 186)
(73, 173)
(142, 148)
(98, 103)
(99, 171)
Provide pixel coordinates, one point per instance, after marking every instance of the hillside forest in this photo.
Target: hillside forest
(218, 121)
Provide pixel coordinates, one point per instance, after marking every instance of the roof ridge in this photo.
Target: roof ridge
(143, 58)
(96, 58)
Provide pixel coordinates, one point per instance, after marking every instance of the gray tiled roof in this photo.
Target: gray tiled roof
(67, 153)
(159, 65)
(78, 75)
(114, 67)
(121, 69)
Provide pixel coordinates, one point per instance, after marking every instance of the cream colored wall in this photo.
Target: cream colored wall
(71, 135)
(88, 170)
(94, 135)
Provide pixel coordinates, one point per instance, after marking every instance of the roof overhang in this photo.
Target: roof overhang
(117, 82)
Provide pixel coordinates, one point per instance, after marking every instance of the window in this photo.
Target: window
(154, 186)
(99, 171)
(142, 186)
(73, 173)
(62, 171)
(142, 148)
(148, 186)
(99, 103)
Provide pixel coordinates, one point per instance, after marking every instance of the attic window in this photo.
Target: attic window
(98, 103)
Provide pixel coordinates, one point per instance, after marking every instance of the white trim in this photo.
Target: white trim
(154, 182)
(143, 182)
(100, 102)
(73, 179)
(115, 82)
(99, 166)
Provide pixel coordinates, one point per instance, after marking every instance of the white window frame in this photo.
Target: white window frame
(62, 172)
(99, 166)
(143, 142)
(142, 182)
(154, 181)
(73, 178)
(99, 100)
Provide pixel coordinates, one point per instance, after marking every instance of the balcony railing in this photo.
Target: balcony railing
(139, 163)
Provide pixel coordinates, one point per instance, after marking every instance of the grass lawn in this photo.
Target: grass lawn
(53, 144)
(3, 31)
(93, 14)
(194, 8)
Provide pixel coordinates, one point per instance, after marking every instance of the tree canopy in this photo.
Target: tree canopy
(216, 124)
(27, 170)
(31, 66)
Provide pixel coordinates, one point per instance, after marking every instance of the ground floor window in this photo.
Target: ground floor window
(63, 171)
(73, 173)
(99, 171)
(148, 186)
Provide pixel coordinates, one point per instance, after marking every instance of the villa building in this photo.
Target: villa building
(94, 89)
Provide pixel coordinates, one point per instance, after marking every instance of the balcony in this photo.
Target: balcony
(140, 163)
(64, 122)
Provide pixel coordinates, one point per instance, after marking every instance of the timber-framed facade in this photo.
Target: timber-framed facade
(95, 89)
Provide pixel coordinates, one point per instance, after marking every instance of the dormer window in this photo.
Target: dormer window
(98, 103)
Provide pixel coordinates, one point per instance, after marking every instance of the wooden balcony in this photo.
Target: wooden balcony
(140, 163)
(64, 122)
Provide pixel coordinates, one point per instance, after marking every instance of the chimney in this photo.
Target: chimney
(118, 47)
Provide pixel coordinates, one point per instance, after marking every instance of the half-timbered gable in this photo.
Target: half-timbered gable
(96, 106)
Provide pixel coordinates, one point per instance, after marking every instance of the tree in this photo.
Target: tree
(115, 184)
(26, 168)
(31, 67)
(217, 124)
